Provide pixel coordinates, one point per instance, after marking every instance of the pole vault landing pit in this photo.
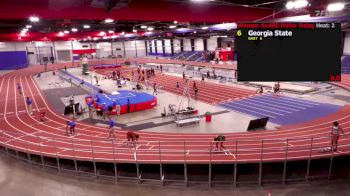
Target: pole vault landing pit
(107, 66)
(138, 101)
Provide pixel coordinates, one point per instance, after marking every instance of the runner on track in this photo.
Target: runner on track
(132, 137)
(19, 87)
(29, 105)
(219, 140)
(42, 116)
(111, 128)
(71, 125)
(335, 133)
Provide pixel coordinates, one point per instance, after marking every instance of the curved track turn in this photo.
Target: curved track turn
(26, 133)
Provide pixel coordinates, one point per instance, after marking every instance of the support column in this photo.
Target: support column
(124, 49)
(182, 45)
(112, 48)
(155, 46)
(146, 49)
(163, 46)
(205, 44)
(172, 46)
(135, 48)
(219, 42)
(192, 45)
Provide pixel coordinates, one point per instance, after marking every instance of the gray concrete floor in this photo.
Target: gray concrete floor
(21, 179)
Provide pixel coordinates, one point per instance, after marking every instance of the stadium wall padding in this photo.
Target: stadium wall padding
(13, 60)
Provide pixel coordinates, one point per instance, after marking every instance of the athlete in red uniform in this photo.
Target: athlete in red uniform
(131, 136)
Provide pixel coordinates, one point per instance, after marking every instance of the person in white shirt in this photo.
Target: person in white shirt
(335, 133)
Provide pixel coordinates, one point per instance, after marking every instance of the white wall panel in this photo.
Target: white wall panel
(212, 43)
(187, 45)
(177, 48)
(167, 46)
(198, 45)
(159, 47)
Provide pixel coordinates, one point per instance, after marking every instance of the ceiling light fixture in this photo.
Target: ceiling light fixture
(201, 0)
(335, 7)
(290, 5)
(109, 20)
(102, 33)
(172, 26)
(143, 27)
(65, 32)
(300, 4)
(74, 29)
(175, 22)
(205, 28)
(28, 26)
(134, 30)
(110, 32)
(86, 26)
(150, 28)
(34, 19)
(61, 34)
(297, 4)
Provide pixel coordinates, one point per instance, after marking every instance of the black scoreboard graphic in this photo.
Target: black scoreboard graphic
(288, 51)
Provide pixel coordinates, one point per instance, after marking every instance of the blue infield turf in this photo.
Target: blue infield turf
(281, 109)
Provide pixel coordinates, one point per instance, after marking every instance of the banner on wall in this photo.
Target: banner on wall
(84, 51)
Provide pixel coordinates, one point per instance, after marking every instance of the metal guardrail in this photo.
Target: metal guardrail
(172, 151)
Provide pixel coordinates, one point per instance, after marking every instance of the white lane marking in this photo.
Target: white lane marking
(255, 108)
(232, 108)
(278, 103)
(274, 105)
(246, 101)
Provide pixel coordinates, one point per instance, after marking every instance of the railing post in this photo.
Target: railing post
(330, 165)
(210, 165)
(114, 162)
(137, 163)
(160, 164)
(185, 165)
(28, 152)
(235, 167)
(57, 158)
(260, 163)
(75, 159)
(309, 160)
(41, 154)
(93, 157)
(285, 164)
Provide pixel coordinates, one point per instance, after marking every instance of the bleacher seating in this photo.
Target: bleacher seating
(195, 56)
(202, 59)
(345, 64)
(159, 54)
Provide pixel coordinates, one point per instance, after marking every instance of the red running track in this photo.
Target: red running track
(207, 92)
(22, 132)
(345, 82)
